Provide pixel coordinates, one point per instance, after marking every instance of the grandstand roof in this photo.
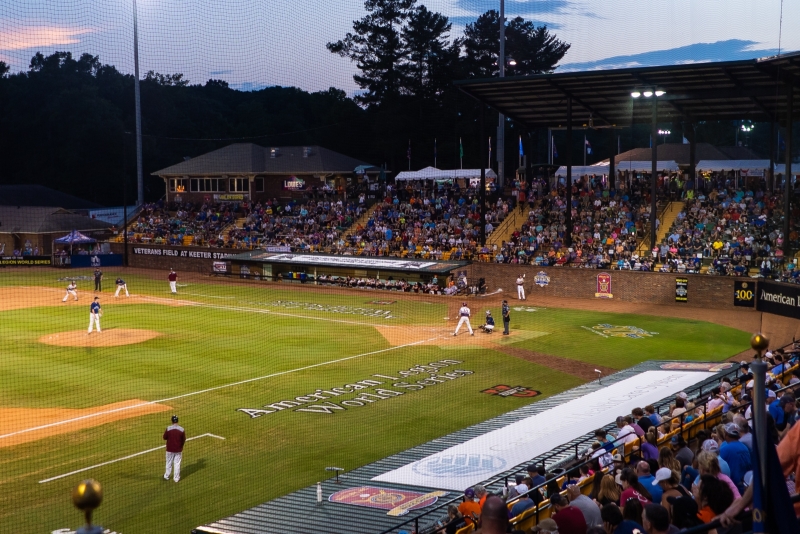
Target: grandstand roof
(249, 158)
(39, 195)
(752, 89)
(45, 220)
(679, 153)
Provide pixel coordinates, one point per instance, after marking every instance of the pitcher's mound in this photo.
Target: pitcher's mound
(107, 338)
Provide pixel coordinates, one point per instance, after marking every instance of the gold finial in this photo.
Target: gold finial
(759, 343)
(87, 496)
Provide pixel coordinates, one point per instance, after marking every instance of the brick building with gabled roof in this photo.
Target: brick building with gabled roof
(246, 171)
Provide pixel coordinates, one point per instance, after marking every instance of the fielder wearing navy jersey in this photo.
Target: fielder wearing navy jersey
(94, 315)
(120, 286)
(175, 437)
(464, 314)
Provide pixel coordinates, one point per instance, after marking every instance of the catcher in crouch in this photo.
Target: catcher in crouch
(489, 326)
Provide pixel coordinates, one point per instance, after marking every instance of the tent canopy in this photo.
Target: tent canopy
(732, 165)
(432, 173)
(75, 238)
(580, 170)
(647, 166)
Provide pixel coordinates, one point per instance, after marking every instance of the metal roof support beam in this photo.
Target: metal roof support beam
(740, 86)
(788, 178)
(654, 171)
(568, 213)
(585, 106)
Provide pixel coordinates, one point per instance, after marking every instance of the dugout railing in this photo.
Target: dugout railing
(535, 514)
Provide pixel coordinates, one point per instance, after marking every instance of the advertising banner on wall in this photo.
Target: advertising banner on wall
(681, 289)
(604, 286)
(28, 261)
(96, 260)
(744, 294)
(780, 299)
(177, 253)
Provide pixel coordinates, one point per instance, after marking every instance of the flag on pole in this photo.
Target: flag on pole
(434, 152)
(588, 145)
(521, 153)
(408, 152)
(555, 150)
(490, 151)
(461, 152)
(772, 507)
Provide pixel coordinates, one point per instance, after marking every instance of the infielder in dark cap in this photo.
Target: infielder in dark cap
(175, 437)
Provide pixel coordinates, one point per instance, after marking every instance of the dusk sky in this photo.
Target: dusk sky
(256, 43)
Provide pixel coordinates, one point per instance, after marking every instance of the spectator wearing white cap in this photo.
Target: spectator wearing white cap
(669, 481)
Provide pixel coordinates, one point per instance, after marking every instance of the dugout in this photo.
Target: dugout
(310, 268)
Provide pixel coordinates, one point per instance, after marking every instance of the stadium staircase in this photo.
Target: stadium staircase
(361, 221)
(235, 225)
(508, 226)
(667, 218)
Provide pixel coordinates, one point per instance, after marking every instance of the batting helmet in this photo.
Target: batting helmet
(488, 312)
(174, 418)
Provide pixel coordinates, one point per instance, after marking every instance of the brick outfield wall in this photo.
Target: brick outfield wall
(628, 286)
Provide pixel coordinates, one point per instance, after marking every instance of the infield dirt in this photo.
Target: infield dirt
(16, 422)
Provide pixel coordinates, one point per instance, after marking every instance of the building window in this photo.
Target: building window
(239, 185)
(259, 185)
(207, 185)
(178, 185)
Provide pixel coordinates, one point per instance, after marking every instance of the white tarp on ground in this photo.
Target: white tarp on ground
(646, 166)
(722, 165)
(780, 168)
(483, 457)
(580, 170)
(432, 173)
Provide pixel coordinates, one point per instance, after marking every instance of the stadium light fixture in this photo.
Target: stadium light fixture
(636, 94)
(647, 94)
(512, 62)
(660, 93)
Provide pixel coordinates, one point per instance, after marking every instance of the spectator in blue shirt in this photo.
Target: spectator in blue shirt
(736, 454)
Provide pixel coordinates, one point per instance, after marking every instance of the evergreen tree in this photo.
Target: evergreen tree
(376, 46)
(432, 58)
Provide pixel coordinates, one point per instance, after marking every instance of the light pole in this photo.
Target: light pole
(746, 128)
(664, 133)
(138, 104)
(501, 123)
(654, 94)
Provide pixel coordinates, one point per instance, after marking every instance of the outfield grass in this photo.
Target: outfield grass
(226, 339)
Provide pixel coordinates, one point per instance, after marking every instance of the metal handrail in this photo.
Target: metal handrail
(700, 529)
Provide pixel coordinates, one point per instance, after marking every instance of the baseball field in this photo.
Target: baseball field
(272, 382)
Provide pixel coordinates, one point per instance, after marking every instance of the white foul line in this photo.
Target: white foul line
(223, 386)
(261, 310)
(123, 458)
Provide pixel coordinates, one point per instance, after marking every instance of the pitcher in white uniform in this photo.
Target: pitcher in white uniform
(464, 313)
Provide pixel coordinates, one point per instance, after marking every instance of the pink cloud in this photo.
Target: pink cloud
(42, 36)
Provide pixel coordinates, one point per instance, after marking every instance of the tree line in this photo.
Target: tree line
(68, 122)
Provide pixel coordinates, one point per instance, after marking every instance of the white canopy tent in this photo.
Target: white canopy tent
(723, 165)
(432, 173)
(647, 166)
(581, 170)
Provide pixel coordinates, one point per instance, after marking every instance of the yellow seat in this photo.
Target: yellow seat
(467, 529)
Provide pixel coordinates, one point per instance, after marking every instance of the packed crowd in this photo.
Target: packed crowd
(630, 484)
(737, 228)
(605, 226)
(443, 219)
(182, 223)
(452, 285)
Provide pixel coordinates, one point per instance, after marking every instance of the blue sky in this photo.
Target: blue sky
(255, 43)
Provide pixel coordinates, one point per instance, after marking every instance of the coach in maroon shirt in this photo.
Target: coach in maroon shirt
(175, 437)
